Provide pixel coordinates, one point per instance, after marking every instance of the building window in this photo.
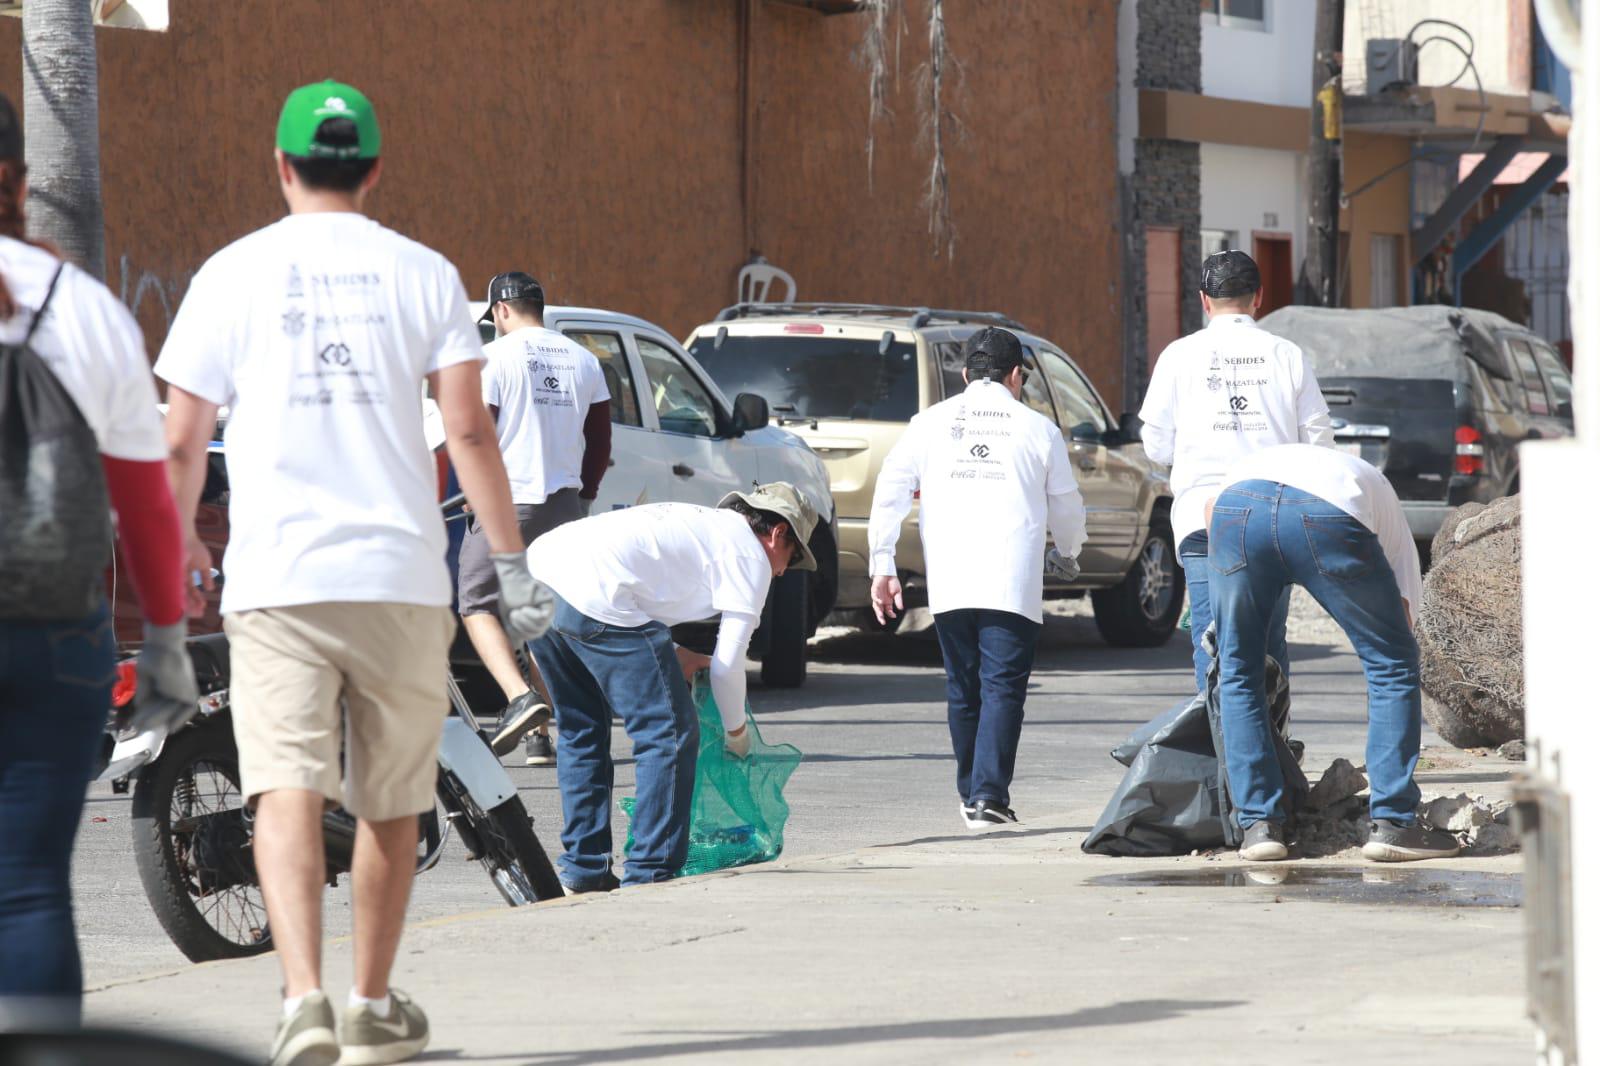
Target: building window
(1217, 240)
(1236, 14)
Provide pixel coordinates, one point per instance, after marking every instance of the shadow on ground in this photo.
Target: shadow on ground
(1131, 1012)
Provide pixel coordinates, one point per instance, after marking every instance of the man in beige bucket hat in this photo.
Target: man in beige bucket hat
(622, 579)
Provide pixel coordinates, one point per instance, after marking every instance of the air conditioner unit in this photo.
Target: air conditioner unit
(1391, 61)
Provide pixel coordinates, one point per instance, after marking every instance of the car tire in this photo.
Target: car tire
(1142, 610)
(784, 664)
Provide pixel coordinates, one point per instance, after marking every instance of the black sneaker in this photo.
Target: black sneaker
(522, 714)
(981, 814)
(607, 883)
(1263, 842)
(1390, 841)
(540, 750)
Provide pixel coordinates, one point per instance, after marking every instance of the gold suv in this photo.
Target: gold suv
(848, 377)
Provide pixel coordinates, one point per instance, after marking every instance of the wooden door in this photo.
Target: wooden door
(1274, 257)
(1163, 288)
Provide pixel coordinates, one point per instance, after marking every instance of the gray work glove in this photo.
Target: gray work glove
(1064, 567)
(738, 744)
(165, 696)
(587, 504)
(527, 607)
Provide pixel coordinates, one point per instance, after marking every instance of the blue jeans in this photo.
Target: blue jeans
(1192, 554)
(988, 657)
(1265, 537)
(55, 694)
(593, 670)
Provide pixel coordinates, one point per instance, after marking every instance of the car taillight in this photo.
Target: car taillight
(1469, 451)
(126, 685)
(803, 327)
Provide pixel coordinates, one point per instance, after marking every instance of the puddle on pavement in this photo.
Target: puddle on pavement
(1407, 887)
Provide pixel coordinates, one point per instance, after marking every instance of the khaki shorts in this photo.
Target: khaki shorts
(291, 666)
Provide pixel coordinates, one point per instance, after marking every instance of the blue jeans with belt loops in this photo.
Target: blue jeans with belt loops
(594, 669)
(1265, 537)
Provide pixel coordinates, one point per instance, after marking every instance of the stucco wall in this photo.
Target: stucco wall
(1240, 187)
(599, 145)
(1270, 65)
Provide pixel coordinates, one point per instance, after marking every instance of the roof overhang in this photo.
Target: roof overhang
(1451, 113)
(1165, 114)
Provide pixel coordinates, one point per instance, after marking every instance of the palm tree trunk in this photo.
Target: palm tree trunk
(61, 114)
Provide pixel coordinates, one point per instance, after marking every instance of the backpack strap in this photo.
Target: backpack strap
(39, 314)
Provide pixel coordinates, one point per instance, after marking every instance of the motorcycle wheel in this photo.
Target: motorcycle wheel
(503, 840)
(189, 824)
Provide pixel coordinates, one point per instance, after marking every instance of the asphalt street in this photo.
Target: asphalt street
(877, 767)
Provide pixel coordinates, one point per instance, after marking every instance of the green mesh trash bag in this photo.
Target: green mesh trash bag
(738, 813)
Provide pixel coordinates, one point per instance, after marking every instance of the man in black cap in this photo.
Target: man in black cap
(1215, 397)
(552, 413)
(993, 476)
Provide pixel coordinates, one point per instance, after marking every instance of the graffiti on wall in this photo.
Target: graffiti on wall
(152, 298)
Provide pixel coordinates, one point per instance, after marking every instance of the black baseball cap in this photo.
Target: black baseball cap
(10, 130)
(1228, 274)
(994, 352)
(512, 285)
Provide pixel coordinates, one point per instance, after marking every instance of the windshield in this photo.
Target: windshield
(816, 376)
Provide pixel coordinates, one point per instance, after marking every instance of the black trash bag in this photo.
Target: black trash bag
(1174, 797)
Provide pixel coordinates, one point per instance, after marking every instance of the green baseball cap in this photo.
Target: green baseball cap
(309, 106)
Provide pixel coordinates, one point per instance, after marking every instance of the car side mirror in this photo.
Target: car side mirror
(749, 412)
(1564, 409)
(1085, 433)
(1130, 428)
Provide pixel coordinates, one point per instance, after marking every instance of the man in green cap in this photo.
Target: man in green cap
(318, 333)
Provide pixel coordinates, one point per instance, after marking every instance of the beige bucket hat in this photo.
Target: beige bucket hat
(788, 503)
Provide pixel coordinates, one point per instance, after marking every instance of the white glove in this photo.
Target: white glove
(738, 744)
(165, 696)
(1064, 567)
(527, 607)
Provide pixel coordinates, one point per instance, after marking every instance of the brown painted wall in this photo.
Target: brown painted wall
(598, 144)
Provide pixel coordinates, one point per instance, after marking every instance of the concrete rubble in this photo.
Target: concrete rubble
(1337, 818)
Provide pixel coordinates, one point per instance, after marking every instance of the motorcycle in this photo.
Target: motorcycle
(193, 834)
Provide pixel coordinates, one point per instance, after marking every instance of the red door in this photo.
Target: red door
(1163, 287)
(1274, 256)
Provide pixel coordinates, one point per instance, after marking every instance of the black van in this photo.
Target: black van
(1436, 397)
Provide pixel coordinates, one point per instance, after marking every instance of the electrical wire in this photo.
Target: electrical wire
(1469, 64)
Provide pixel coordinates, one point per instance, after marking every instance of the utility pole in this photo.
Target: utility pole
(1322, 235)
(61, 124)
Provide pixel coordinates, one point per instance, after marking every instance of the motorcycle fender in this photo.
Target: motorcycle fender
(463, 752)
(129, 755)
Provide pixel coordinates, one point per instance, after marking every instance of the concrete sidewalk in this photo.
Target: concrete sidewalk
(992, 947)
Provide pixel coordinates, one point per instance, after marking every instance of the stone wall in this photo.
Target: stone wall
(1164, 189)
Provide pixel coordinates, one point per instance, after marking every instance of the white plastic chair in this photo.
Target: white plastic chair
(755, 283)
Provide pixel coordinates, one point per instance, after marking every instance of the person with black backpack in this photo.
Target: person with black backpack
(80, 434)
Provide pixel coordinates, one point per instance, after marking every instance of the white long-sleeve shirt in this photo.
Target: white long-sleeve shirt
(993, 475)
(1220, 394)
(1354, 486)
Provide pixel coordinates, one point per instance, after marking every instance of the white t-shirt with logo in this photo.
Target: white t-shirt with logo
(318, 332)
(1220, 394)
(659, 562)
(543, 383)
(667, 563)
(92, 345)
(1354, 486)
(993, 475)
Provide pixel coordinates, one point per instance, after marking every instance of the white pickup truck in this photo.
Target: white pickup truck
(675, 436)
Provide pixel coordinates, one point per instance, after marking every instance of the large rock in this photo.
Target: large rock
(1470, 627)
